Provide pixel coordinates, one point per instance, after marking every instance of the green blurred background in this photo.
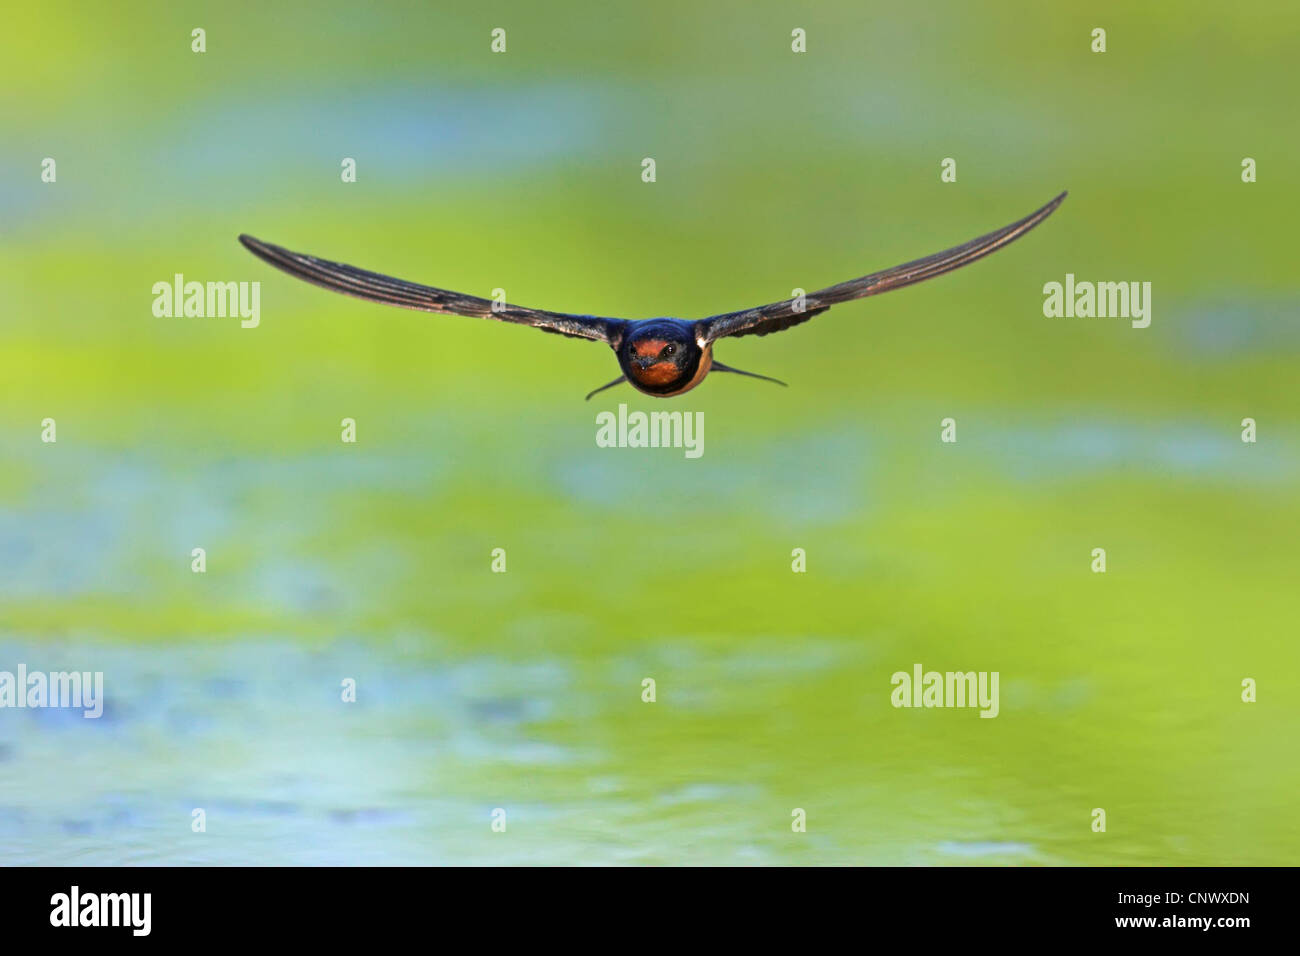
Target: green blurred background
(522, 690)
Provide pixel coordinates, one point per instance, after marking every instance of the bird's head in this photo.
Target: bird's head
(660, 355)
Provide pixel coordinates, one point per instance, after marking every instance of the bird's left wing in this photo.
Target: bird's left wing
(781, 315)
(376, 287)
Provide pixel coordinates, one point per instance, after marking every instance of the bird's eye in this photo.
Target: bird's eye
(669, 349)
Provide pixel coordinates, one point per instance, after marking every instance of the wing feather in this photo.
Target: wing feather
(376, 287)
(778, 316)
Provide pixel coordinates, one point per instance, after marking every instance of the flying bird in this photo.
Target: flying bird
(660, 357)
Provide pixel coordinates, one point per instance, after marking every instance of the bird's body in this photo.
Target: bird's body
(660, 357)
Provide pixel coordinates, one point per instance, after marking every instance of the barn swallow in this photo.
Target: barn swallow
(660, 357)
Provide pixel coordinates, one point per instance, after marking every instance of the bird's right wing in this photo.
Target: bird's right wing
(376, 287)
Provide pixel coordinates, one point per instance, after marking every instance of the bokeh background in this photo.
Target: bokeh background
(522, 690)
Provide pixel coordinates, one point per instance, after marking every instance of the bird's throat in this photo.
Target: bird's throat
(657, 375)
(671, 383)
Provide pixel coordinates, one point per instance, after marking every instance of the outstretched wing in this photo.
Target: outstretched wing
(782, 315)
(410, 295)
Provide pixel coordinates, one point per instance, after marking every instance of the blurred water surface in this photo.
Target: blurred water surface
(522, 690)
